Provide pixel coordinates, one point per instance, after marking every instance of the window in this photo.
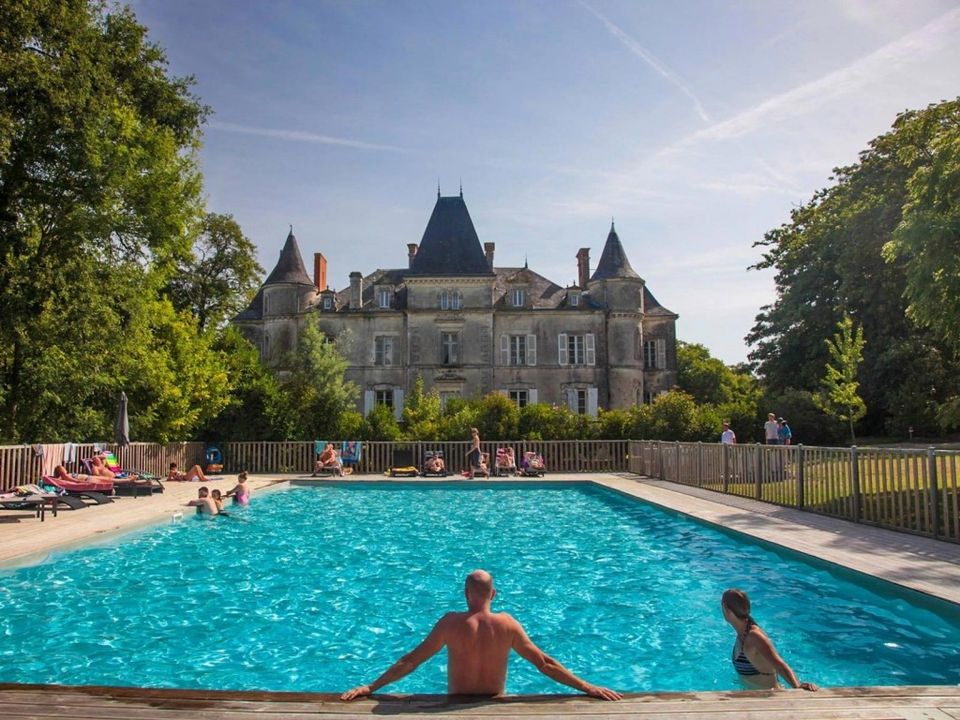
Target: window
(577, 349)
(518, 297)
(383, 397)
(648, 397)
(383, 297)
(518, 349)
(383, 350)
(574, 299)
(449, 348)
(582, 401)
(655, 354)
(328, 303)
(446, 396)
(450, 300)
(520, 398)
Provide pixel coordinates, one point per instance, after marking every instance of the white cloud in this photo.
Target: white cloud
(649, 58)
(301, 136)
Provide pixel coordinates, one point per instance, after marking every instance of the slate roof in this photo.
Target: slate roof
(289, 268)
(393, 277)
(651, 306)
(254, 310)
(542, 293)
(450, 245)
(613, 262)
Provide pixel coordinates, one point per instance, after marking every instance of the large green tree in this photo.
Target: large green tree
(220, 275)
(830, 257)
(99, 199)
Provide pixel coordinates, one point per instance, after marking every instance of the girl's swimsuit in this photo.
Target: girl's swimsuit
(241, 498)
(741, 662)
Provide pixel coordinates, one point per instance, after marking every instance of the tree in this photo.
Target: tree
(733, 392)
(99, 195)
(220, 276)
(422, 414)
(381, 424)
(926, 239)
(832, 255)
(840, 398)
(317, 392)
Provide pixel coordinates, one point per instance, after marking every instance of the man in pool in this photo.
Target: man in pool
(478, 644)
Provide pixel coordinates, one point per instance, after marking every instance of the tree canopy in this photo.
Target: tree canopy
(860, 246)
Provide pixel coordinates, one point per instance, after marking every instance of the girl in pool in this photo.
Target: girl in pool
(754, 657)
(241, 493)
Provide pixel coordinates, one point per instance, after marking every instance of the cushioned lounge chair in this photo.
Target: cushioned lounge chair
(504, 465)
(126, 480)
(429, 455)
(98, 491)
(532, 464)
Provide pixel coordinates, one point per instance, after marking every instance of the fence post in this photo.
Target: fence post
(934, 492)
(758, 466)
(699, 463)
(659, 460)
(855, 480)
(800, 497)
(726, 468)
(677, 455)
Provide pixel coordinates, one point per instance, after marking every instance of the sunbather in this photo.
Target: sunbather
(194, 474)
(434, 464)
(329, 460)
(506, 460)
(101, 470)
(240, 492)
(61, 473)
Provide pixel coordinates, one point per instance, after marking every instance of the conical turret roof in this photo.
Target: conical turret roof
(613, 262)
(450, 245)
(289, 268)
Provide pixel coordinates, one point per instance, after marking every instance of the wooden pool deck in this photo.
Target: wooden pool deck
(104, 703)
(925, 565)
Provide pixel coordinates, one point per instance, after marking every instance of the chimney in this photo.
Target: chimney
(488, 248)
(411, 253)
(583, 267)
(319, 272)
(356, 290)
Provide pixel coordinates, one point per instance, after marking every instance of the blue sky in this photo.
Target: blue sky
(696, 125)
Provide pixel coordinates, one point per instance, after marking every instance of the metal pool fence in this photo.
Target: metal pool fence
(912, 490)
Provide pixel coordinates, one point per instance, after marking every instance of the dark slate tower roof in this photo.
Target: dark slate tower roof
(613, 262)
(289, 267)
(450, 245)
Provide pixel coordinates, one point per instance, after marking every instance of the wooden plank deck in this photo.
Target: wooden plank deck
(111, 703)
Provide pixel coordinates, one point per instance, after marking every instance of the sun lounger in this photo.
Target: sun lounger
(532, 465)
(127, 479)
(504, 464)
(98, 491)
(430, 455)
(34, 502)
(402, 464)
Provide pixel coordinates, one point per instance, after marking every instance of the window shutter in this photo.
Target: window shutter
(562, 349)
(531, 350)
(661, 354)
(388, 351)
(571, 397)
(532, 396)
(367, 402)
(592, 402)
(504, 349)
(398, 403)
(591, 350)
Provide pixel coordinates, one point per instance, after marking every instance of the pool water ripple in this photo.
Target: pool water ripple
(322, 588)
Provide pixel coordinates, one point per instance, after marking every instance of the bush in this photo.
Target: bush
(380, 424)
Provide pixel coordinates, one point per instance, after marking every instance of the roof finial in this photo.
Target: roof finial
(291, 228)
(438, 188)
(611, 224)
(461, 187)
(525, 265)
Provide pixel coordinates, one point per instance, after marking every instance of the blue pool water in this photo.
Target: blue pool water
(322, 588)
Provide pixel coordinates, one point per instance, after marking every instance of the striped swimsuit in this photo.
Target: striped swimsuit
(741, 663)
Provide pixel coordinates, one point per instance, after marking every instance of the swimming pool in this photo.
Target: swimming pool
(322, 588)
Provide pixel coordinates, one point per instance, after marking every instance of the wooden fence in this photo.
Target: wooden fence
(912, 490)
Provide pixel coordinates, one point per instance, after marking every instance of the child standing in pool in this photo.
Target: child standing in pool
(241, 493)
(217, 500)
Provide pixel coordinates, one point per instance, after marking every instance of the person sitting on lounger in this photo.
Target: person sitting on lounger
(204, 504)
(506, 460)
(754, 657)
(194, 474)
(329, 460)
(532, 461)
(241, 491)
(60, 472)
(101, 470)
(478, 644)
(434, 464)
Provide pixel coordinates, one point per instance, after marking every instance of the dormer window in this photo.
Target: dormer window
(450, 300)
(328, 303)
(518, 297)
(383, 298)
(574, 298)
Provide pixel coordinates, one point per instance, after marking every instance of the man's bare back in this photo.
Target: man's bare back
(478, 646)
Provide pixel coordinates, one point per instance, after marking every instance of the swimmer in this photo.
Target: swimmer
(218, 501)
(240, 492)
(204, 504)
